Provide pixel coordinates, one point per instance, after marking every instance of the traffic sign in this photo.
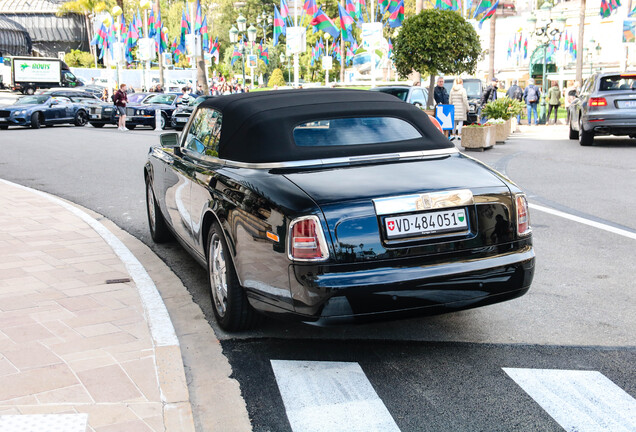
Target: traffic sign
(445, 115)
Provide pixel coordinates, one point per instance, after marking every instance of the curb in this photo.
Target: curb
(168, 362)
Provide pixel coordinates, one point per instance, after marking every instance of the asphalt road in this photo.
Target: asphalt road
(432, 373)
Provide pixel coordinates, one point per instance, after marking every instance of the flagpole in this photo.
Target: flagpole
(194, 46)
(161, 82)
(147, 62)
(372, 49)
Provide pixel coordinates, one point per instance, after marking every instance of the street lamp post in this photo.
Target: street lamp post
(545, 34)
(241, 22)
(117, 12)
(251, 37)
(597, 48)
(282, 60)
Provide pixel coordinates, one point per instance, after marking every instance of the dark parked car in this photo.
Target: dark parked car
(43, 110)
(331, 205)
(606, 105)
(474, 89)
(143, 114)
(99, 113)
(181, 115)
(414, 95)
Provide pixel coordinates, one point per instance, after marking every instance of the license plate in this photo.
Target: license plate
(626, 103)
(181, 120)
(3, 119)
(96, 116)
(426, 223)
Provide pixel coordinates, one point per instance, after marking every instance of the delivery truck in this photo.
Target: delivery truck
(27, 74)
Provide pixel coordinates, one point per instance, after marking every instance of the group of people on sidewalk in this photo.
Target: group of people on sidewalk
(531, 95)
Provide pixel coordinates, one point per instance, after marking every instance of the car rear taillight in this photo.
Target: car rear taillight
(523, 217)
(598, 102)
(306, 240)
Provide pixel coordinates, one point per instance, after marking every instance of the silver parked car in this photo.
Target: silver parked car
(606, 105)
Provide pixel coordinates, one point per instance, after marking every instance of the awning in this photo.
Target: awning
(14, 38)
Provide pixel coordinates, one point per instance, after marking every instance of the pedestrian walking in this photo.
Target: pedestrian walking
(459, 99)
(531, 95)
(515, 92)
(439, 92)
(121, 100)
(554, 100)
(489, 95)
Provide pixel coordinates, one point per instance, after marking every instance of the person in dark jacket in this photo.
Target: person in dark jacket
(515, 92)
(489, 94)
(121, 100)
(439, 93)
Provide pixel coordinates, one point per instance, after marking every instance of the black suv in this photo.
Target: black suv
(474, 88)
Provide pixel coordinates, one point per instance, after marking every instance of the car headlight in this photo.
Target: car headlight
(138, 112)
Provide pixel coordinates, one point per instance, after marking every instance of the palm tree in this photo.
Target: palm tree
(579, 54)
(88, 8)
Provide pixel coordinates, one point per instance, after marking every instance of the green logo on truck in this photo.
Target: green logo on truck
(37, 66)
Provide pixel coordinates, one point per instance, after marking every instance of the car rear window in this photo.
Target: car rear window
(354, 131)
(618, 82)
(398, 93)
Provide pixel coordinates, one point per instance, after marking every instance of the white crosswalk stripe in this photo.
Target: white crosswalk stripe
(580, 401)
(330, 396)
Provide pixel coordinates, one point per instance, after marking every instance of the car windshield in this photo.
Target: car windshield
(618, 82)
(354, 131)
(32, 100)
(197, 101)
(473, 88)
(397, 92)
(161, 99)
(136, 98)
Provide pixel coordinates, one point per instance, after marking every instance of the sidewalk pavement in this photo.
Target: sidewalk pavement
(84, 343)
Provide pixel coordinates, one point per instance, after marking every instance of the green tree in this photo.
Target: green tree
(276, 79)
(436, 41)
(77, 58)
(88, 8)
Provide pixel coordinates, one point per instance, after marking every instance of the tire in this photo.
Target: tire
(97, 125)
(131, 127)
(573, 134)
(81, 118)
(585, 138)
(164, 121)
(36, 120)
(158, 228)
(29, 90)
(229, 301)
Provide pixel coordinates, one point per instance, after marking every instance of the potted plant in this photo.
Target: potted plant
(499, 113)
(502, 129)
(478, 137)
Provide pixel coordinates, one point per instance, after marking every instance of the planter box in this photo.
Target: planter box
(512, 125)
(478, 138)
(501, 132)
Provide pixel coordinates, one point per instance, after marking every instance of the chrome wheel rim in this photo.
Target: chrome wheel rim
(151, 206)
(218, 275)
(81, 119)
(163, 122)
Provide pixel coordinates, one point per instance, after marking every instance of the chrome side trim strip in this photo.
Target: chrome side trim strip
(420, 202)
(331, 161)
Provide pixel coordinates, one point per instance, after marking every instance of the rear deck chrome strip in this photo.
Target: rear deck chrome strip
(425, 201)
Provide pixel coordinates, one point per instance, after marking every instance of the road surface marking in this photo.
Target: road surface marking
(581, 401)
(43, 422)
(161, 328)
(331, 397)
(584, 221)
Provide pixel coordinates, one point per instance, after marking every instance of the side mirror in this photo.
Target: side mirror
(169, 139)
(54, 102)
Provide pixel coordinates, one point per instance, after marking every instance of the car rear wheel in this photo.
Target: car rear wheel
(573, 134)
(131, 127)
(80, 118)
(36, 120)
(229, 301)
(29, 90)
(164, 121)
(158, 229)
(97, 125)
(585, 138)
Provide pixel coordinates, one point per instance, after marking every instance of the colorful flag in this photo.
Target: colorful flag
(100, 36)
(390, 54)
(614, 4)
(310, 7)
(632, 13)
(350, 7)
(489, 13)
(139, 25)
(605, 9)
(482, 7)
(392, 5)
(198, 21)
(214, 51)
(158, 34)
(359, 15)
(284, 9)
(383, 5)
(151, 24)
(205, 37)
(236, 55)
(397, 16)
(525, 49)
(345, 24)
(509, 50)
(265, 56)
(279, 26)
(185, 23)
(322, 22)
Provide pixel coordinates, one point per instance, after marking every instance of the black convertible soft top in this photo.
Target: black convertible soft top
(258, 127)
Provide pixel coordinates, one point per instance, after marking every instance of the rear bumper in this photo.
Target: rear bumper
(396, 290)
(610, 125)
